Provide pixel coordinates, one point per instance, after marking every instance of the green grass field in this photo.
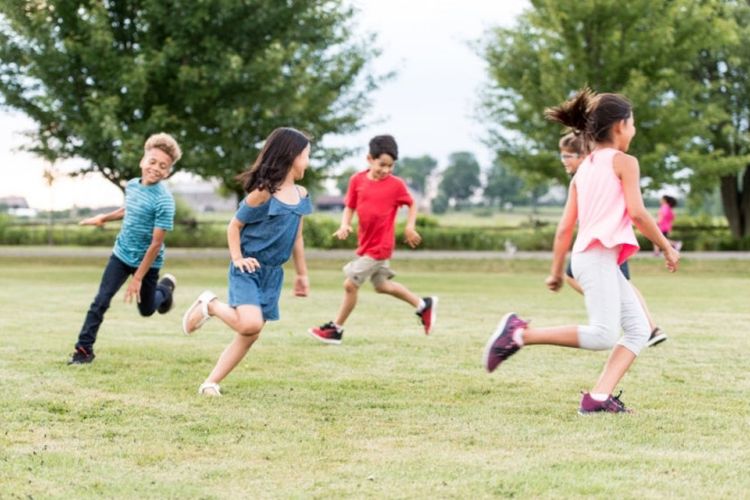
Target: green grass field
(388, 414)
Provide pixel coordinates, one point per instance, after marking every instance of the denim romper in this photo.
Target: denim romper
(268, 235)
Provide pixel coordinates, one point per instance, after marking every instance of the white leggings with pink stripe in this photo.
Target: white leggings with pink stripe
(610, 301)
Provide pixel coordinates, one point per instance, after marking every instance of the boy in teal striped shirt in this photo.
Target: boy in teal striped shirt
(148, 213)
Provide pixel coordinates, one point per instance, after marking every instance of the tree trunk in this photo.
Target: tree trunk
(735, 198)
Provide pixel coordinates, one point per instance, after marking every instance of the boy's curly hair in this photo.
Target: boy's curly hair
(165, 143)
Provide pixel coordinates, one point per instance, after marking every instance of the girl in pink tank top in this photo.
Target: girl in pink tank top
(605, 200)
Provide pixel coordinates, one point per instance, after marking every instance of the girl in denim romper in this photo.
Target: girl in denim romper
(264, 232)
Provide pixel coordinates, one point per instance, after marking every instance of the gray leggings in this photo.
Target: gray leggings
(610, 301)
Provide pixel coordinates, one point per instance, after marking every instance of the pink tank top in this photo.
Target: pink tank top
(602, 215)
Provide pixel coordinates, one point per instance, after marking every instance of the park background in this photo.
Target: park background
(390, 413)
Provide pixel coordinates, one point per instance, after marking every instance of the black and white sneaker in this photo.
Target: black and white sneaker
(657, 337)
(170, 283)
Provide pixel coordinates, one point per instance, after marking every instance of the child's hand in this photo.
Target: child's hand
(248, 264)
(554, 283)
(133, 290)
(301, 286)
(672, 258)
(97, 220)
(343, 232)
(412, 237)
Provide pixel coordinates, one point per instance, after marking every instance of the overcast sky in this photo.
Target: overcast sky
(430, 106)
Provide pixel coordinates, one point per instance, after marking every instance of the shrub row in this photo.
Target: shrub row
(318, 231)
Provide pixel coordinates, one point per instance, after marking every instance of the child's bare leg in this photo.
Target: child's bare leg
(618, 363)
(350, 300)
(397, 290)
(651, 323)
(566, 336)
(247, 322)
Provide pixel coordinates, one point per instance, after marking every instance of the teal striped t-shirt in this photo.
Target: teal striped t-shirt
(146, 208)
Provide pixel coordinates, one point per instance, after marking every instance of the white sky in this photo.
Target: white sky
(430, 105)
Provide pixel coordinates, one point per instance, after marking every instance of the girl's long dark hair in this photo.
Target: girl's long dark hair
(590, 114)
(275, 160)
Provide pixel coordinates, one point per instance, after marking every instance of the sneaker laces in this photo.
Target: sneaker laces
(618, 403)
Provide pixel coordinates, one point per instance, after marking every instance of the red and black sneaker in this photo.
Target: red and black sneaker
(328, 333)
(428, 315)
(81, 356)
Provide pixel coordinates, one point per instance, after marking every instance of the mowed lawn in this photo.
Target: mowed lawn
(388, 414)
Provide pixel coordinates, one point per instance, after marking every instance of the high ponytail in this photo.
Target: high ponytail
(573, 113)
(590, 114)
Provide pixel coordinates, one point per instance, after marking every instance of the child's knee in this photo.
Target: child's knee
(600, 337)
(350, 286)
(381, 287)
(250, 329)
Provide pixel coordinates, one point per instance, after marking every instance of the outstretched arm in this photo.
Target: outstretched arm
(627, 169)
(99, 220)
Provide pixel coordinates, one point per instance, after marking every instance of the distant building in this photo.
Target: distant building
(329, 202)
(17, 206)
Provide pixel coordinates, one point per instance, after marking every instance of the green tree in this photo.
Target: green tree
(503, 186)
(721, 153)
(416, 170)
(461, 177)
(342, 180)
(99, 77)
(645, 49)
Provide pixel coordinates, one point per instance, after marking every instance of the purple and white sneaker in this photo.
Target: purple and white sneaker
(501, 345)
(610, 405)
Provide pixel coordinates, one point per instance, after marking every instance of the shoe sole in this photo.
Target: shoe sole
(656, 340)
(433, 321)
(186, 316)
(321, 339)
(488, 346)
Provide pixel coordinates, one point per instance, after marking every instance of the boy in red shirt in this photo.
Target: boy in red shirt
(376, 195)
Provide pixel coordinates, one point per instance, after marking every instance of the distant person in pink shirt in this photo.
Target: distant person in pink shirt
(605, 199)
(665, 220)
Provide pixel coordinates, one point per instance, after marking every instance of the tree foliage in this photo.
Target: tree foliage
(503, 186)
(99, 77)
(461, 177)
(672, 58)
(416, 170)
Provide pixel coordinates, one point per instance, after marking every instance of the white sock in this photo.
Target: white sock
(338, 327)
(421, 305)
(518, 336)
(599, 396)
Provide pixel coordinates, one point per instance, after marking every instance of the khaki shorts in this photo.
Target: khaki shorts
(365, 267)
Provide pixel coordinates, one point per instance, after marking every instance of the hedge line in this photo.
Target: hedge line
(696, 234)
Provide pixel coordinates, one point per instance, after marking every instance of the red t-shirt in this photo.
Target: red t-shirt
(376, 204)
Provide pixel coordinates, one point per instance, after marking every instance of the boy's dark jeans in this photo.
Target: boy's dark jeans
(115, 275)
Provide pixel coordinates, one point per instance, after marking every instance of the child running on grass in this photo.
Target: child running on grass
(375, 195)
(147, 213)
(665, 220)
(264, 232)
(573, 149)
(605, 198)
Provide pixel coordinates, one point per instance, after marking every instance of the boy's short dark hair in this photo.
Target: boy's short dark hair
(384, 144)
